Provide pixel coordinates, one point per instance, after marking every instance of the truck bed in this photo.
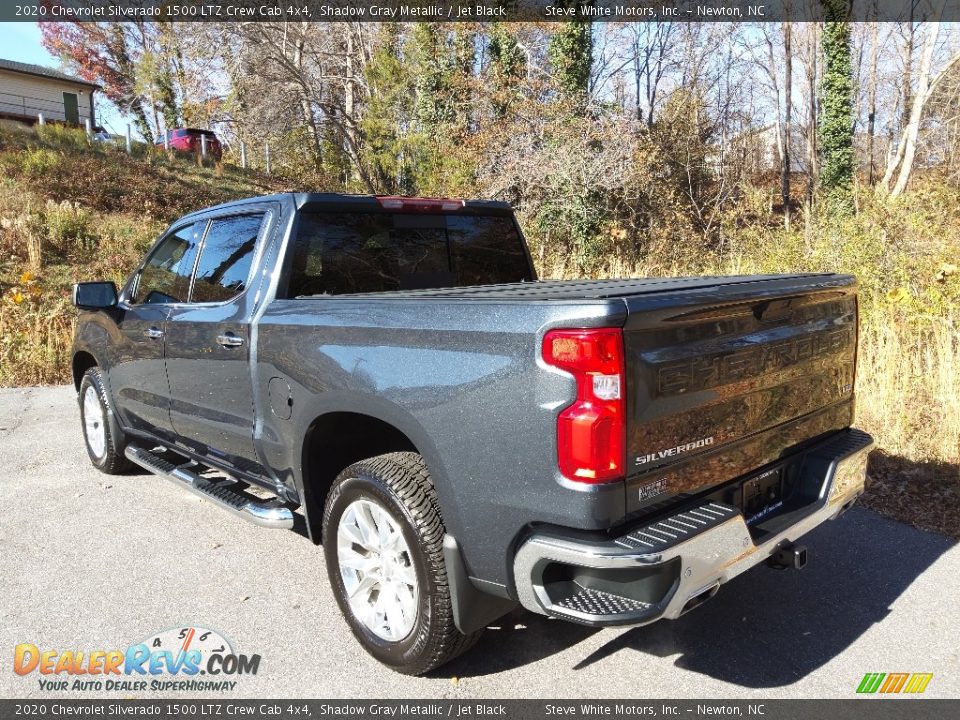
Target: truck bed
(545, 290)
(723, 374)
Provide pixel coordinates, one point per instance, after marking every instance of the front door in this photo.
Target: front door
(138, 381)
(208, 346)
(71, 108)
(138, 378)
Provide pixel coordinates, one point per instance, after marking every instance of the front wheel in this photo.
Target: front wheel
(103, 447)
(383, 543)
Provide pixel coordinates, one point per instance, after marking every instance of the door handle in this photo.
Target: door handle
(229, 340)
(153, 333)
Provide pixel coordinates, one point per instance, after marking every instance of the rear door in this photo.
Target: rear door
(138, 379)
(208, 344)
(727, 379)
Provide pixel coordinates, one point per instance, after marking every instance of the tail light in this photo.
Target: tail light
(591, 432)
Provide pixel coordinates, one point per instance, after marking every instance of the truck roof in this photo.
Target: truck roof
(320, 202)
(332, 202)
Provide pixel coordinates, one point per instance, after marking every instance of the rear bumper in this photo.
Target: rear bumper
(665, 568)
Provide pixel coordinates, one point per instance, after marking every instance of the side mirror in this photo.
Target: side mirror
(94, 295)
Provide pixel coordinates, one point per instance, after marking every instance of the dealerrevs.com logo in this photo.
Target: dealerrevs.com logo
(188, 659)
(894, 683)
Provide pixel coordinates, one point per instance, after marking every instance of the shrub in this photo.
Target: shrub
(63, 136)
(68, 227)
(38, 162)
(35, 332)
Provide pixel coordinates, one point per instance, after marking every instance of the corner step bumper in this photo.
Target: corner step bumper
(665, 568)
(268, 513)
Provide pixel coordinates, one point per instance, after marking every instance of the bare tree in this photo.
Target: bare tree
(906, 79)
(650, 62)
(872, 94)
(810, 62)
(902, 160)
(787, 118)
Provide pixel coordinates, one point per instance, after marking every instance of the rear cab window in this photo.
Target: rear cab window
(345, 253)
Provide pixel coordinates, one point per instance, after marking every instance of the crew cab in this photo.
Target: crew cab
(389, 375)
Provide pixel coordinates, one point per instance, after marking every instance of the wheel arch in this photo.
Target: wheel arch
(82, 361)
(332, 442)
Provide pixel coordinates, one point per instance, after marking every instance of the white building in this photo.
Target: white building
(28, 90)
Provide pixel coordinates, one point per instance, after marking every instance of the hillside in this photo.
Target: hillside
(72, 211)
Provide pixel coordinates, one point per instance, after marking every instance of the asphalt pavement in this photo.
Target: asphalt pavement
(89, 561)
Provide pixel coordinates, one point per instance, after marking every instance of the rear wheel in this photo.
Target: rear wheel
(383, 540)
(103, 447)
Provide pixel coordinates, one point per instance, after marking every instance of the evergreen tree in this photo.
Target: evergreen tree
(835, 126)
(506, 57)
(433, 62)
(386, 124)
(571, 54)
(505, 69)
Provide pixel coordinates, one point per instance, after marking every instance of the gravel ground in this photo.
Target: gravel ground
(96, 562)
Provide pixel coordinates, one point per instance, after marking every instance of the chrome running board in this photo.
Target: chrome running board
(266, 513)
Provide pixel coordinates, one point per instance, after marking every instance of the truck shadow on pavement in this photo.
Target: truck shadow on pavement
(766, 628)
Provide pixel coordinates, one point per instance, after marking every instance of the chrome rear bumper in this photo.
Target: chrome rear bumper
(663, 569)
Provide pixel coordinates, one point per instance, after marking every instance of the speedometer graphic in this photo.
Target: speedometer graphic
(182, 640)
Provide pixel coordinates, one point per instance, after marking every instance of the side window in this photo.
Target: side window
(225, 258)
(165, 278)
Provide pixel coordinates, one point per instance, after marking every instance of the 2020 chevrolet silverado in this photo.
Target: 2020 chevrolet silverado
(462, 437)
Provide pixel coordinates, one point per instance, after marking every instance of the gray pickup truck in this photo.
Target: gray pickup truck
(388, 376)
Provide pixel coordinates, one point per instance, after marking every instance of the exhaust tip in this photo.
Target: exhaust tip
(700, 597)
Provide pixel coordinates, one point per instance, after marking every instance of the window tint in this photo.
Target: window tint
(337, 253)
(225, 258)
(486, 250)
(165, 277)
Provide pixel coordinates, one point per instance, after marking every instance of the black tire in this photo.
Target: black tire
(111, 460)
(399, 483)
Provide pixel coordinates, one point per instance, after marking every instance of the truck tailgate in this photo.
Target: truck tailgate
(727, 379)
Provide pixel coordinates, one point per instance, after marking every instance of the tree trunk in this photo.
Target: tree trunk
(835, 129)
(924, 90)
(872, 96)
(303, 89)
(348, 100)
(906, 82)
(906, 93)
(813, 168)
(788, 119)
(772, 66)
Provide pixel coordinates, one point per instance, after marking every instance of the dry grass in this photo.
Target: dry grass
(908, 388)
(35, 339)
(923, 494)
(908, 394)
(908, 370)
(70, 211)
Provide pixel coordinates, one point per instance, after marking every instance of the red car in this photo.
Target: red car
(189, 140)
